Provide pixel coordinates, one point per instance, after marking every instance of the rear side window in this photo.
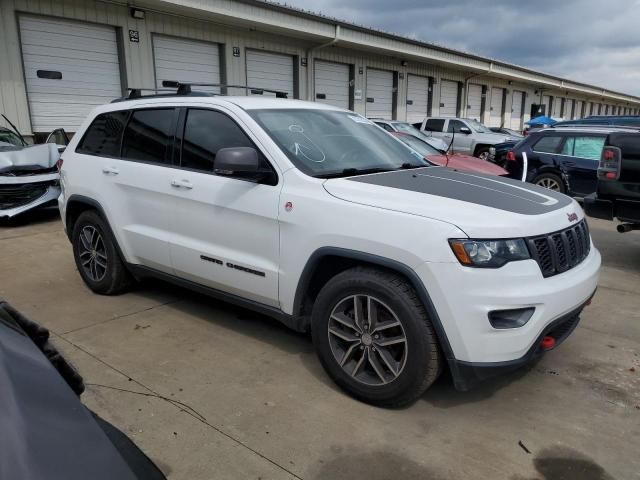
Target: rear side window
(434, 125)
(584, 147)
(206, 132)
(149, 135)
(104, 135)
(549, 144)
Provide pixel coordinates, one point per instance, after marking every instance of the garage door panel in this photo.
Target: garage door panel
(273, 71)
(516, 110)
(332, 81)
(495, 117)
(185, 60)
(86, 55)
(474, 102)
(417, 98)
(448, 98)
(380, 89)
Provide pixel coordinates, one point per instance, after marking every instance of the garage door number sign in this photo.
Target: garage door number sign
(134, 36)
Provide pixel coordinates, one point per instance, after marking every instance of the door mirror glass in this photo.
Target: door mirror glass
(465, 130)
(238, 162)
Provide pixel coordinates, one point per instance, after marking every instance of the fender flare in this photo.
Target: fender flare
(389, 264)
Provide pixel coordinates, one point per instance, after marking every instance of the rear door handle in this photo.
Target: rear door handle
(186, 184)
(110, 171)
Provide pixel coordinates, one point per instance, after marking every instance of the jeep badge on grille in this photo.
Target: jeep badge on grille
(573, 217)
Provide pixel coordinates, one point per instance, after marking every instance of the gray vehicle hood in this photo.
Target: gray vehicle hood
(35, 157)
(494, 138)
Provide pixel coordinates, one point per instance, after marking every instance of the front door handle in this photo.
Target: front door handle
(186, 184)
(110, 171)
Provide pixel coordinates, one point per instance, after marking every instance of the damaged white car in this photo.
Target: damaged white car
(29, 176)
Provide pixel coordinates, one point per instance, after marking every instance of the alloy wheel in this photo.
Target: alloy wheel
(549, 183)
(367, 340)
(92, 253)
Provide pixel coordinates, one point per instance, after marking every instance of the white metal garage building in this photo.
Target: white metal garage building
(60, 59)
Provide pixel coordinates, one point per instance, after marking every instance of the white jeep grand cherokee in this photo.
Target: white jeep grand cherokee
(318, 217)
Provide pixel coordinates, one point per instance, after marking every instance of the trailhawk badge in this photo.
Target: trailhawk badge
(573, 217)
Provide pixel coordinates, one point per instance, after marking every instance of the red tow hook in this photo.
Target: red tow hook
(548, 343)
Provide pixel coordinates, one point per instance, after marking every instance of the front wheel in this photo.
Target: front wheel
(482, 153)
(374, 338)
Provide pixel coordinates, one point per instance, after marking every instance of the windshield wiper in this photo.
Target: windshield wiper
(350, 172)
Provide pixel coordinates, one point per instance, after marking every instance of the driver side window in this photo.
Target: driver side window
(206, 132)
(455, 126)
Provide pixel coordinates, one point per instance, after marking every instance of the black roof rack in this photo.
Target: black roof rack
(135, 93)
(184, 88)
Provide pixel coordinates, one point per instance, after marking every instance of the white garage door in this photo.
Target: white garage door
(83, 57)
(448, 98)
(577, 112)
(474, 102)
(379, 94)
(495, 119)
(545, 101)
(332, 83)
(417, 98)
(516, 110)
(186, 61)
(557, 106)
(270, 70)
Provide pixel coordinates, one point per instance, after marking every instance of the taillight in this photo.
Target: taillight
(59, 164)
(511, 156)
(610, 163)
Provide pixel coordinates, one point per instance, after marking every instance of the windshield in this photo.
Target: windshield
(420, 146)
(10, 137)
(325, 143)
(477, 126)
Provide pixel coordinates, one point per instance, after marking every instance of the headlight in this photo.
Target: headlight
(489, 253)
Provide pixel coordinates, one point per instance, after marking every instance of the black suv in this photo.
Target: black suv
(562, 159)
(618, 191)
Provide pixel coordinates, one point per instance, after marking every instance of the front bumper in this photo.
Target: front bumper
(463, 298)
(48, 195)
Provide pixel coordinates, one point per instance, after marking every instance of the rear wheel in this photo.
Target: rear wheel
(550, 181)
(96, 255)
(374, 338)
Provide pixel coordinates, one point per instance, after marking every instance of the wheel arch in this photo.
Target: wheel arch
(479, 146)
(326, 262)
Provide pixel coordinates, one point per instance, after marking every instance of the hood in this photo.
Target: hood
(493, 138)
(467, 163)
(480, 205)
(35, 157)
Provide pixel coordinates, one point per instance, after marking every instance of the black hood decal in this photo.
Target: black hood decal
(490, 191)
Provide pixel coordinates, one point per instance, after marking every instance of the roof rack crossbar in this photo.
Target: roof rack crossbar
(184, 88)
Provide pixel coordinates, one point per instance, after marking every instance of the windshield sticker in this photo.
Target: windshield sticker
(359, 119)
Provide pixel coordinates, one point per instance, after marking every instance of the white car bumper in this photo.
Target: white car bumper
(463, 298)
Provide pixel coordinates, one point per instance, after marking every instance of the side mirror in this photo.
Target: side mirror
(465, 130)
(238, 162)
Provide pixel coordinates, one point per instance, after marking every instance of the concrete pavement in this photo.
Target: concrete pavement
(255, 403)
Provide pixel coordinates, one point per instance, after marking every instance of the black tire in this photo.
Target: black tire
(114, 277)
(482, 153)
(545, 179)
(422, 358)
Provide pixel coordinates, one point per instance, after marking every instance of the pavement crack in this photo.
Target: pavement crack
(118, 317)
(179, 405)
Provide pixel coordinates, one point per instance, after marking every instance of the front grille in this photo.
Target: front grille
(17, 195)
(561, 251)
